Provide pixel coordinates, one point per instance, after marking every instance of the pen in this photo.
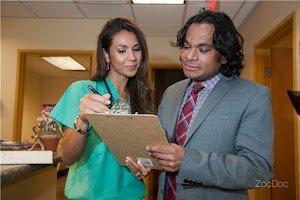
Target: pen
(96, 92)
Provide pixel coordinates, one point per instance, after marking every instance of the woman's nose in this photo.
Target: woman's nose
(132, 56)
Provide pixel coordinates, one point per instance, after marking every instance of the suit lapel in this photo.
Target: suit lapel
(176, 105)
(211, 101)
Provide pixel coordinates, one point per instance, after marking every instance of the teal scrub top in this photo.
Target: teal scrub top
(97, 174)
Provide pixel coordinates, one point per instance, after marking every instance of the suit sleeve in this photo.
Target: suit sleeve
(254, 160)
(160, 110)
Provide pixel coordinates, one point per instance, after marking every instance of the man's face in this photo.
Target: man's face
(200, 60)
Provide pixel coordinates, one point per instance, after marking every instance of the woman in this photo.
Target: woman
(122, 60)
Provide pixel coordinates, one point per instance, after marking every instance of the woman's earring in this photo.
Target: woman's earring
(107, 66)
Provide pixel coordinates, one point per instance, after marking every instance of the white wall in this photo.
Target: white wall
(264, 17)
(59, 34)
(161, 52)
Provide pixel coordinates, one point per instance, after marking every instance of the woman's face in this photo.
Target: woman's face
(124, 54)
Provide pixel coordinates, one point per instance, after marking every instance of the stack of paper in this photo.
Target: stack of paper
(26, 157)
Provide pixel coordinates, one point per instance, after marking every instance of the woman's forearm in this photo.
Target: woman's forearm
(72, 146)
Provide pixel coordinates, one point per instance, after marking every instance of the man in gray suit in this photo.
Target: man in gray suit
(219, 126)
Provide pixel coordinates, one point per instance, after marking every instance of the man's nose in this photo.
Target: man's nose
(193, 54)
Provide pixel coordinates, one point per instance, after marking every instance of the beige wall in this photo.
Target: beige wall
(265, 16)
(261, 21)
(40, 90)
(61, 34)
(32, 103)
(54, 87)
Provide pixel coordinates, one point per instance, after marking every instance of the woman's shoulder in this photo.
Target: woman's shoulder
(82, 83)
(78, 88)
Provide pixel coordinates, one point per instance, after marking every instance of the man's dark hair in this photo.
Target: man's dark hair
(226, 39)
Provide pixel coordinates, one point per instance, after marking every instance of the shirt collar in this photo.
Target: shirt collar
(210, 83)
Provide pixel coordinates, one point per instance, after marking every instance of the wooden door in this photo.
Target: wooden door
(284, 163)
(162, 77)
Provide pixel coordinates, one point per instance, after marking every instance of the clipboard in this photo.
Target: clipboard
(128, 135)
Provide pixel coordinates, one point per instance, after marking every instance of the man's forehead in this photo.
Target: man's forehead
(200, 34)
(201, 27)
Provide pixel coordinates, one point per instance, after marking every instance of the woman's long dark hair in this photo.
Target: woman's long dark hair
(138, 86)
(226, 39)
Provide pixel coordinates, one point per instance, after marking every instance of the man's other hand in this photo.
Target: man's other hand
(170, 156)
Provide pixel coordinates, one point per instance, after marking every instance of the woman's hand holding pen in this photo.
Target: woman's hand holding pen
(93, 103)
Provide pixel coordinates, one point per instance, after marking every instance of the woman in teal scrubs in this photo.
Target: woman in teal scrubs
(122, 61)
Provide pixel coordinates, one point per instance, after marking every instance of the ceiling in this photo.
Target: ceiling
(154, 20)
(34, 63)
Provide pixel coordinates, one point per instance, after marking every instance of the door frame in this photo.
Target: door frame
(20, 79)
(155, 66)
(262, 58)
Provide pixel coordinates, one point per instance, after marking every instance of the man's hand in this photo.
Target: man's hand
(170, 156)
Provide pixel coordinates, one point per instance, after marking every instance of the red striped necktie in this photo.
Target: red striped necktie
(182, 127)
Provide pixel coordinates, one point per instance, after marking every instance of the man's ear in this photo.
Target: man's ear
(107, 59)
(223, 60)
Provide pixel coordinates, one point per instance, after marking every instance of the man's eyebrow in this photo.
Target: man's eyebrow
(204, 45)
(199, 45)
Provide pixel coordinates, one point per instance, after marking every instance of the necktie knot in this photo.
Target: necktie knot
(197, 87)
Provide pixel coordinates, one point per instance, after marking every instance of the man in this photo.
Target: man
(220, 126)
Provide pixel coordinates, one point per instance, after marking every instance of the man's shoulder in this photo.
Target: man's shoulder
(245, 83)
(247, 87)
(237, 84)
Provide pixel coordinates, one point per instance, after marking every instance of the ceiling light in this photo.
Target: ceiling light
(64, 63)
(158, 1)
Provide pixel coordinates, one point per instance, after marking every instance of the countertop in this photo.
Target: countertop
(15, 173)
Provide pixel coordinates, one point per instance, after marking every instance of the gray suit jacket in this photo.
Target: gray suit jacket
(230, 144)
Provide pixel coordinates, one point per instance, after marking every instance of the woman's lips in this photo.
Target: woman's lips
(131, 66)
